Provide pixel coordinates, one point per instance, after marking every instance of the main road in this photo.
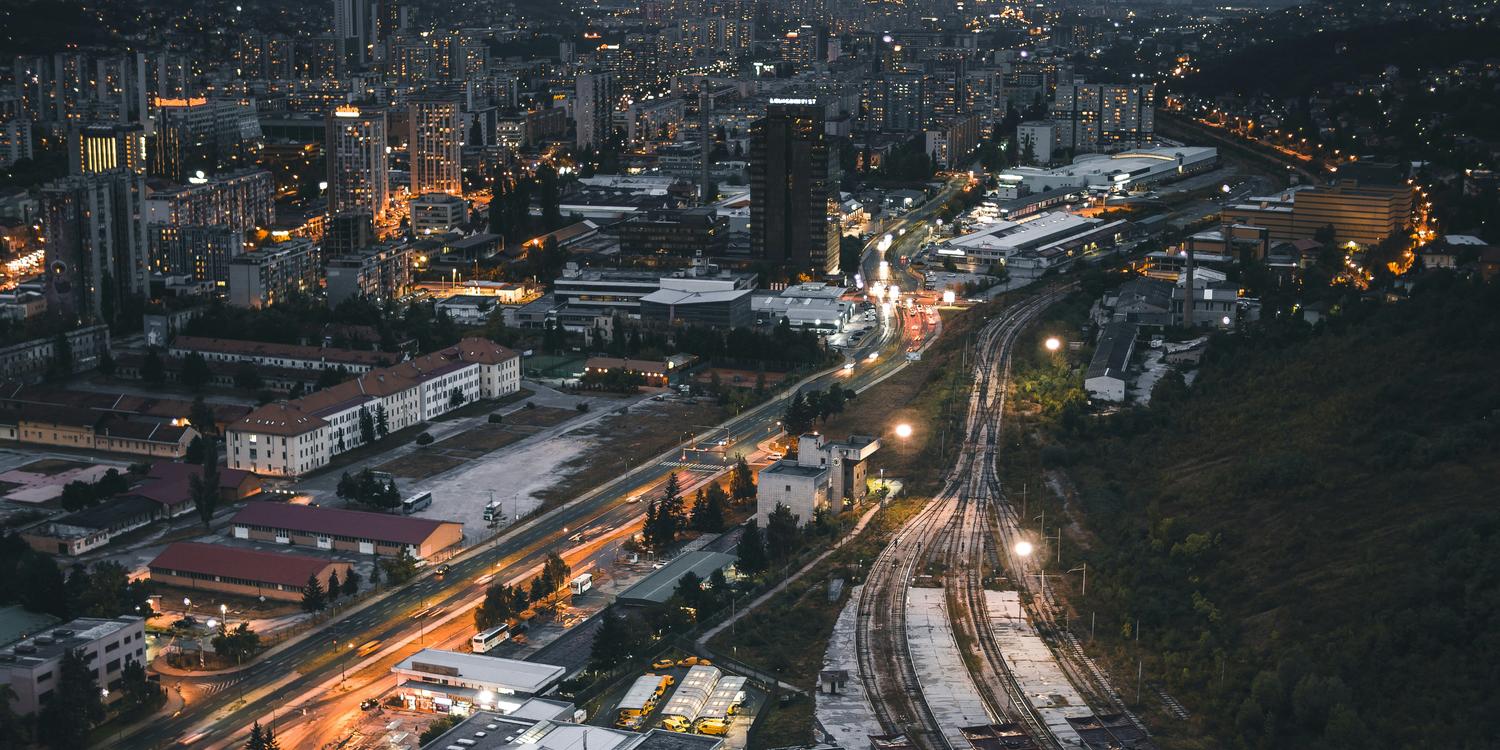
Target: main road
(276, 687)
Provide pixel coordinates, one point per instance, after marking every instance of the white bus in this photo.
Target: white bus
(582, 583)
(415, 503)
(483, 642)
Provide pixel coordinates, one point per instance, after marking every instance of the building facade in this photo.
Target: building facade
(794, 198)
(435, 140)
(358, 165)
(95, 233)
(273, 273)
(32, 666)
(291, 438)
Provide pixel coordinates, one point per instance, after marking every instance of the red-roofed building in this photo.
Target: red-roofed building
(169, 485)
(345, 530)
(292, 438)
(241, 572)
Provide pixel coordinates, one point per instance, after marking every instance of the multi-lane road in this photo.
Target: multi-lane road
(285, 682)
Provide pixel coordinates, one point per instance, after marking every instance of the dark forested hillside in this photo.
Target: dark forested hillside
(1309, 537)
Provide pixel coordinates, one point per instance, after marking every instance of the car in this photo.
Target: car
(443, 569)
(368, 704)
(633, 499)
(848, 366)
(368, 647)
(663, 664)
(694, 661)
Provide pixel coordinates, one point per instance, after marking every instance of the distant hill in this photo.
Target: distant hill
(1310, 535)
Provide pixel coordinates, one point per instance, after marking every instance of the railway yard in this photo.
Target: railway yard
(957, 636)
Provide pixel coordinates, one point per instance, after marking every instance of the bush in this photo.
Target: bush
(496, 418)
(582, 407)
(530, 405)
(424, 439)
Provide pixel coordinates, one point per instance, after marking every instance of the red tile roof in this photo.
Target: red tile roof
(380, 527)
(237, 562)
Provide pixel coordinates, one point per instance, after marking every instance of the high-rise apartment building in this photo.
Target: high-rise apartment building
(107, 146)
(794, 217)
(244, 200)
(273, 273)
(435, 144)
(593, 108)
(95, 232)
(356, 25)
(202, 252)
(200, 134)
(358, 167)
(1104, 117)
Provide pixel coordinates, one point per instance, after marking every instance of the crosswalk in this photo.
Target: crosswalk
(696, 466)
(219, 686)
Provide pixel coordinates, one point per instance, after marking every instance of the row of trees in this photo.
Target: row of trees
(808, 407)
(34, 581)
(667, 518)
(503, 603)
(318, 596)
(367, 489)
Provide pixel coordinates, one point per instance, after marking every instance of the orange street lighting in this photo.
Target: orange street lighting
(1053, 344)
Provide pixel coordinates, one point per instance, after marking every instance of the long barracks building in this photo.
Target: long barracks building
(291, 438)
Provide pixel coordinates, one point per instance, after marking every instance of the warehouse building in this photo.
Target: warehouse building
(241, 572)
(345, 530)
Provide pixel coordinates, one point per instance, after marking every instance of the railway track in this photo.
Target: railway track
(941, 530)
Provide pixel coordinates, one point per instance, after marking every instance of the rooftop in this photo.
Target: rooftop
(512, 674)
(237, 562)
(658, 587)
(51, 644)
(348, 523)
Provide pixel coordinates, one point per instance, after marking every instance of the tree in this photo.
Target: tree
(202, 417)
(76, 706)
(549, 198)
(61, 365)
(437, 729)
(247, 377)
(615, 642)
(742, 481)
(239, 642)
(330, 377)
(334, 587)
(708, 509)
(351, 583)
(194, 373)
(313, 598)
(498, 607)
(152, 369)
(665, 516)
(257, 739)
(382, 421)
(77, 495)
(781, 532)
(366, 426)
(751, 558)
(401, 568)
(348, 488)
(799, 415)
(204, 486)
(139, 691)
(42, 586)
(689, 590)
(455, 398)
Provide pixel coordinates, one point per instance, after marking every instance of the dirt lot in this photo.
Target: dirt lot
(479, 441)
(53, 466)
(420, 464)
(542, 416)
(622, 441)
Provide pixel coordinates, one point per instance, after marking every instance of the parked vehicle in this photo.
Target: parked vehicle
(368, 703)
(581, 583)
(415, 503)
(481, 643)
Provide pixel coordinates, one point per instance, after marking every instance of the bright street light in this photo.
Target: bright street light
(1053, 344)
(903, 430)
(1023, 549)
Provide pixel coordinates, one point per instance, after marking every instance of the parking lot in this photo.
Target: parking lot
(659, 712)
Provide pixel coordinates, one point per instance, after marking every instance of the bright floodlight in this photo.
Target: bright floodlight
(903, 430)
(1053, 344)
(1023, 549)
(949, 297)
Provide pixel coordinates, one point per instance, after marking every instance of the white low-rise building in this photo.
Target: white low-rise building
(460, 683)
(821, 474)
(32, 667)
(1105, 379)
(811, 305)
(1110, 173)
(291, 438)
